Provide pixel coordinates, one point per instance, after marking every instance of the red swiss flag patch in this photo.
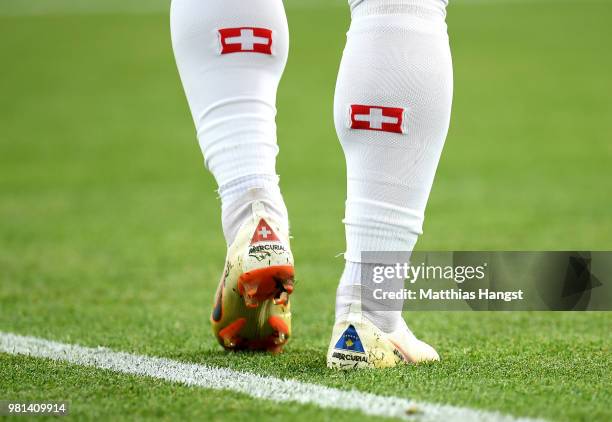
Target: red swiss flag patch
(245, 39)
(384, 119)
(264, 233)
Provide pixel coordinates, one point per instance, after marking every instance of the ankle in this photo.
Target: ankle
(237, 208)
(355, 293)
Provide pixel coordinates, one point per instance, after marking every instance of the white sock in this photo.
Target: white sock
(231, 55)
(392, 111)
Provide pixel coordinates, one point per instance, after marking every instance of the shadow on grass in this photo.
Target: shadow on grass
(290, 361)
(304, 364)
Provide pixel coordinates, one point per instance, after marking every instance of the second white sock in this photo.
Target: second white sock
(392, 112)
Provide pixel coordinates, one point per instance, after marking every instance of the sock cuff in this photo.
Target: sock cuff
(241, 184)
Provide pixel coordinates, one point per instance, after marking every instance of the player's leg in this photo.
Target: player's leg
(392, 111)
(231, 55)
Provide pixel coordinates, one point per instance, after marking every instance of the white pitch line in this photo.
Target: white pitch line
(258, 386)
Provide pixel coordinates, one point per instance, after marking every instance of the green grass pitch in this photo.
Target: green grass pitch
(110, 229)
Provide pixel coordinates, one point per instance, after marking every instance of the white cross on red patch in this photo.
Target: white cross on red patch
(264, 233)
(384, 119)
(245, 40)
